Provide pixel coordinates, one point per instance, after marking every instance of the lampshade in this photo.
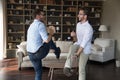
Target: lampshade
(103, 28)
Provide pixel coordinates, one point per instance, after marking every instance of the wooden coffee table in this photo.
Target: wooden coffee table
(57, 64)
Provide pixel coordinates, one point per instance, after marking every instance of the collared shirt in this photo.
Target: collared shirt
(36, 34)
(84, 33)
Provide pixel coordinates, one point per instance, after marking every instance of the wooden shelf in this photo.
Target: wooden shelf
(64, 12)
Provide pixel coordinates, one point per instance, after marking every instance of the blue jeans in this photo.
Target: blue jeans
(36, 58)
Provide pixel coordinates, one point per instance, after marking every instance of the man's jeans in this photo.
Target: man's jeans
(36, 58)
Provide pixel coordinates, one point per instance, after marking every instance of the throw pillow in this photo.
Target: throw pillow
(22, 48)
(96, 47)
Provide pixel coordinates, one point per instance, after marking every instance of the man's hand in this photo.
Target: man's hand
(51, 30)
(80, 50)
(73, 34)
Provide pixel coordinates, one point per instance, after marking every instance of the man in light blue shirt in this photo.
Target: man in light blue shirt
(39, 43)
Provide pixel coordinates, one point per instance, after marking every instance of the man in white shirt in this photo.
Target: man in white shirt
(82, 47)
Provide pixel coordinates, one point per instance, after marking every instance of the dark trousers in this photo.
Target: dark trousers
(36, 58)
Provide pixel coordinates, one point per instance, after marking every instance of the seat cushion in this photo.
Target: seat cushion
(26, 58)
(99, 53)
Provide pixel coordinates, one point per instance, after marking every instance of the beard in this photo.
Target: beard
(80, 19)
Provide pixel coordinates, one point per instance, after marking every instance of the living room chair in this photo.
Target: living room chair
(103, 50)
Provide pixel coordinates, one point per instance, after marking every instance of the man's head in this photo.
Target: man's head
(82, 15)
(39, 14)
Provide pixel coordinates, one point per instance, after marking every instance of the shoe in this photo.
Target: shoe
(68, 71)
(57, 53)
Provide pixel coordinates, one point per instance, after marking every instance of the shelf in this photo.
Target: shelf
(61, 14)
(54, 10)
(14, 41)
(15, 15)
(12, 49)
(15, 9)
(16, 32)
(55, 16)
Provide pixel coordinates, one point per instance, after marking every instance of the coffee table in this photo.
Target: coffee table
(56, 64)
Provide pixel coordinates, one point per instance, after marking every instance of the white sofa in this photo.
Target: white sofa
(24, 61)
(103, 50)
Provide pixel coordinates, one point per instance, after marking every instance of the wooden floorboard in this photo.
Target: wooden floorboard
(95, 71)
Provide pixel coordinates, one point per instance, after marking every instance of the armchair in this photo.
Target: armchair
(102, 50)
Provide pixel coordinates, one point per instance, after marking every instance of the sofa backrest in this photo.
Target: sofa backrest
(64, 45)
(102, 42)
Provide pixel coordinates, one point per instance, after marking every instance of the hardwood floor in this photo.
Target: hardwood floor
(95, 71)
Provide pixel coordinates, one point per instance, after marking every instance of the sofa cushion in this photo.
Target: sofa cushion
(64, 45)
(26, 58)
(98, 53)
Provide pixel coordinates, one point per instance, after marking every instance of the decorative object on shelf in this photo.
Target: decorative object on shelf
(22, 38)
(68, 38)
(27, 21)
(103, 28)
(57, 23)
(68, 22)
(50, 1)
(71, 9)
(11, 22)
(27, 1)
(49, 23)
(20, 1)
(86, 4)
(67, 15)
(21, 22)
(68, 30)
(58, 1)
(37, 7)
(12, 1)
(92, 9)
(10, 12)
(44, 8)
(97, 15)
(12, 6)
(42, 1)
(9, 30)
(52, 9)
(35, 2)
(57, 29)
(17, 12)
(19, 7)
(10, 45)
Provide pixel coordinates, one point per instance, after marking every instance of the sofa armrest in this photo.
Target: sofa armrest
(20, 56)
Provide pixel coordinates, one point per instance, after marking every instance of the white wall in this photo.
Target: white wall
(111, 18)
(2, 29)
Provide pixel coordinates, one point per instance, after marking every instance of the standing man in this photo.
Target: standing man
(82, 47)
(39, 42)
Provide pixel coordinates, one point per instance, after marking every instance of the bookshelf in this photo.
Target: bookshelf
(62, 14)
